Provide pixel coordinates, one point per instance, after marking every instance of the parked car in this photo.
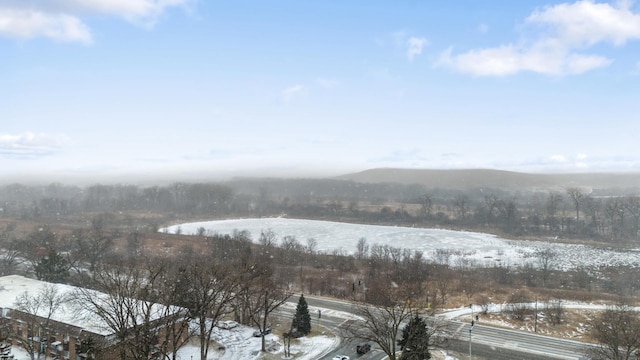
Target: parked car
(363, 349)
(266, 331)
(341, 357)
(227, 325)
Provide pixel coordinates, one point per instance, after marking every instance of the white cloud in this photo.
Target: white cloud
(61, 20)
(412, 46)
(292, 91)
(570, 29)
(585, 23)
(415, 46)
(509, 60)
(144, 11)
(29, 24)
(28, 144)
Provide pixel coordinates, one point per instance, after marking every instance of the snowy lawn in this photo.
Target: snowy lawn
(240, 343)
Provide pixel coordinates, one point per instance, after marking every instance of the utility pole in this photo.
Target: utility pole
(470, 328)
(535, 327)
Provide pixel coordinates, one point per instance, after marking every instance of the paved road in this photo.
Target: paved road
(486, 341)
(491, 340)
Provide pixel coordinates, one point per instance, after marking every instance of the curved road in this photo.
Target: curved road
(486, 341)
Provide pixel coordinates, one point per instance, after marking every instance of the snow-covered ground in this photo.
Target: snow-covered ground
(242, 346)
(240, 343)
(466, 248)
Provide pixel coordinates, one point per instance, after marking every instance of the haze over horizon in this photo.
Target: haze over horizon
(98, 89)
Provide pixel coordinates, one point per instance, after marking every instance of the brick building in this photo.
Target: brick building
(58, 331)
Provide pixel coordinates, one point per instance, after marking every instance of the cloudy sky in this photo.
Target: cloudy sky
(99, 88)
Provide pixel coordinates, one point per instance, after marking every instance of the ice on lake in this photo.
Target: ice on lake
(467, 248)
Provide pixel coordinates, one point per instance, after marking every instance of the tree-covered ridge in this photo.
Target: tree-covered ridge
(604, 215)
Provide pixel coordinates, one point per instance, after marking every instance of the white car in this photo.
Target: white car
(227, 325)
(341, 357)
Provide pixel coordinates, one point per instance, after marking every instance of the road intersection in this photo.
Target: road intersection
(486, 341)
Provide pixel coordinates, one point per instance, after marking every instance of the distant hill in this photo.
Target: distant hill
(496, 179)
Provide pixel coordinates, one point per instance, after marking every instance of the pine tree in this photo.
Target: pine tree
(415, 340)
(52, 268)
(301, 324)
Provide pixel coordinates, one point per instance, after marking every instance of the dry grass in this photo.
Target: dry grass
(574, 326)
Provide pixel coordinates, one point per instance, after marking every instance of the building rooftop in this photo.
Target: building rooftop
(12, 286)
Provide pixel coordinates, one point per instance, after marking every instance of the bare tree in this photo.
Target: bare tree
(592, 208)
(312, 246)
(382, 324)
(485, 302)
(554, 311)
(443, 282)
(545, 259)
(291, 250)
(135, 323)
(261, 299)
(166, 286)
(209, 289)
(508, 213)
(617, 331)
(36, 310)
(633, 207)
(461, 206)
(38, 242)
(518, 305)
(491, 204)
(268, 238)
(426, 205)
(362, 249)
(10, 254)
(470, 286)
(615, 210)
(92, 246)
(134, 244)
(576, 195)
(554, 199)
(442, 256)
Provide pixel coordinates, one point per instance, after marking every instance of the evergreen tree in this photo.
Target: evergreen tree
(415, 340)
(301, 324)
(52, 268)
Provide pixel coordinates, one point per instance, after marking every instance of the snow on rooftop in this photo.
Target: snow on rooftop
(13, 286)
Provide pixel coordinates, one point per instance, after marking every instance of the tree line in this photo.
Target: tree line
(571, 212)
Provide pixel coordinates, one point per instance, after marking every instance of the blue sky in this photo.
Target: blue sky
(98, 89)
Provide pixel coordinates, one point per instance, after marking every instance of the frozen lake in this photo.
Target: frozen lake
(468, 248)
